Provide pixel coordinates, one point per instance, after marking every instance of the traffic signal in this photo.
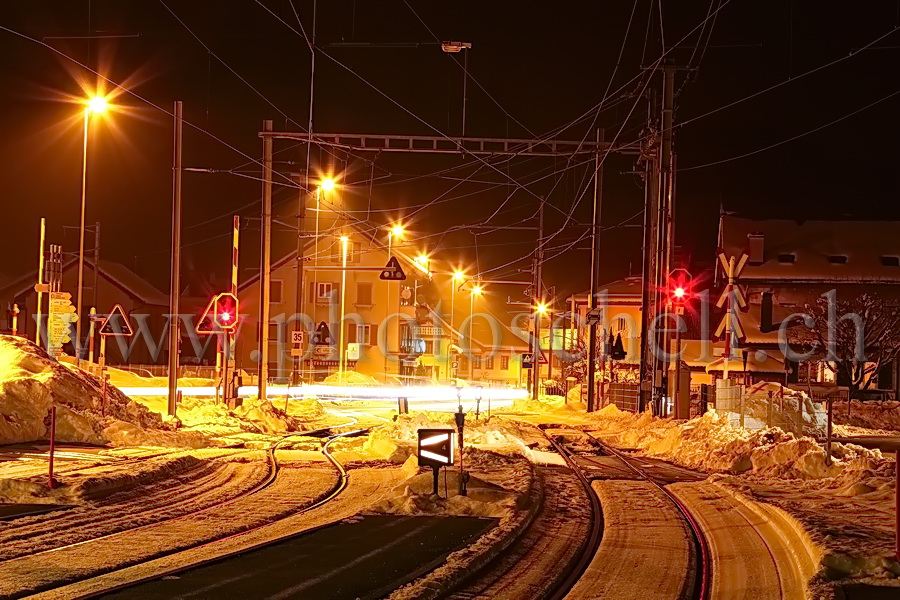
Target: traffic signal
(226, 310)
(679, 289)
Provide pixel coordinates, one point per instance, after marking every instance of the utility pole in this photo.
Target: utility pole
(666, 198)
(96, 262)
(595, 272)
(265, 263)
(175, 271)
(657, 156)
(538, 300)
(301, 228)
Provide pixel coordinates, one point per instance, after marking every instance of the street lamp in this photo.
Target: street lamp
(394, 231)
(326, 184)
(95, 105)
(476, 291)
(344, 243)
(455, 281)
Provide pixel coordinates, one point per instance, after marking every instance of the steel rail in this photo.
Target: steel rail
(339, 487)
(595, 534)
(272, 474)
(701, 545)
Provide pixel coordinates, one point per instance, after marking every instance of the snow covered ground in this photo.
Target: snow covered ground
(845, 508)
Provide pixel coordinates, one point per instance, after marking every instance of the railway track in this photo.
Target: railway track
(271, 476)
(595, 531)
(702, 581)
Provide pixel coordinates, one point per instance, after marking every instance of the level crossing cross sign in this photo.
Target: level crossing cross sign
(435, 447)
(392, 271)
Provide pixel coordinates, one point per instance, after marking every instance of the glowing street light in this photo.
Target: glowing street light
(345, 241)
(97, 104)
(458, 276)
(327, 184)
(541, 309)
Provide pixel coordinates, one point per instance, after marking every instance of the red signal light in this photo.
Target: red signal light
(226, 307)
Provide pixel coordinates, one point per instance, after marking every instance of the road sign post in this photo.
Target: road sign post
(435, 450)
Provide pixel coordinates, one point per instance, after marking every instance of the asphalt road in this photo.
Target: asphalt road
(366, 558)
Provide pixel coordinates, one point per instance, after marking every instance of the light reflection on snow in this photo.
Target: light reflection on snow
(435, 398)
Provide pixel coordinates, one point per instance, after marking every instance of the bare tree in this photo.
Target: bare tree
(854, 338)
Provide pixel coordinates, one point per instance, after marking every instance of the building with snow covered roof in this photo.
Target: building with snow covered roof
(793, 263)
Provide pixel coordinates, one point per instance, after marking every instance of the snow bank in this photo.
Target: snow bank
(397, 440)
(350, 378)
(870, 414)
(211, 417)
(31, 382)
(503, 485)
(712, 444)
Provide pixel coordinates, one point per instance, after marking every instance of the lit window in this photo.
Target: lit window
(504, 363)
(363, 334)
(489, 363)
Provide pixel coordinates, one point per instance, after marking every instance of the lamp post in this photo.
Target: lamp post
(539, 311)
(344, 243)
(393, 231)
(95, 105)
(476, 291)
(326, 184)
(455, 282)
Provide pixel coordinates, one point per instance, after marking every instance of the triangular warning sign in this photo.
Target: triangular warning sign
(392, 271)
(117, 323)
(207, 324)
(322, 336)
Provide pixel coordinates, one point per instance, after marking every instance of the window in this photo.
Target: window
(354, 250)
(787, 259)
(504, 362)
(618, 326)
(488, 363)
(361, 334)
(890, 261)
(321, 291)
(364, 294)
(838, 259)
(276, 292)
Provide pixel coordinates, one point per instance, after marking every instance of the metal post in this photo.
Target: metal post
(301, 221)
(15, 319)
(341, 354)
(50, 482)
(175, 269)
(40, 294)
(830, 404)
(96, 262)
(265, 264)
(93, 317)
(897, 504)
(460, 417)
(77, 344)
(595, 274)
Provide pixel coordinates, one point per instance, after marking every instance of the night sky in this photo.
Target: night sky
(544, 64)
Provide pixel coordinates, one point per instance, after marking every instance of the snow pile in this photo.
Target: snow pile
(31, 382)
(485, 498)
(123, 378)
(769, 404)
(548, 403)
(350, 378)
(397, 440)
(502, 485)
(212, 417)
(710, 443)
(870, 414)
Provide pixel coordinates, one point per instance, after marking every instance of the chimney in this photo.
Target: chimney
(756, 244)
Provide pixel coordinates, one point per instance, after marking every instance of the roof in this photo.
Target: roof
(812, 244)
(115, 273)
(621, 291)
